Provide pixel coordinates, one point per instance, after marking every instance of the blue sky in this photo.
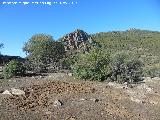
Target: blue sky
(18, 22)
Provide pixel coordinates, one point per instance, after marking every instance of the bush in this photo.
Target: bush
(125, 68)
(43, 52)
(69, 60)
(92, 65)
(152, 71)
(99, 65)
(13, 68)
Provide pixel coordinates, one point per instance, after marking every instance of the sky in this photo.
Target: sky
(19, 22)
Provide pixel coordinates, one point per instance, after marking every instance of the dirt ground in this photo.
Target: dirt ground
(80, 100)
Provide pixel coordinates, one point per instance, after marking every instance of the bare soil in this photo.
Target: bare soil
(81, 100)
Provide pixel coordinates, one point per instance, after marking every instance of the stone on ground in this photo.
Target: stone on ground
(57, 103)
(6, 92)
(17, 91)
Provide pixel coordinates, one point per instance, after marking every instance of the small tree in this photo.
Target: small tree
(43, 51)
(13, 68)
(125, 68)
(92, 66)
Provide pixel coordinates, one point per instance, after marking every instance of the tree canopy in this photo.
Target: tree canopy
(42, 50)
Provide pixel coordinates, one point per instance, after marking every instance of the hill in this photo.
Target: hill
(144, 44)
(129, 40)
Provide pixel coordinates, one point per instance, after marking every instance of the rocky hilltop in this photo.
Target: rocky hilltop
(78, 40)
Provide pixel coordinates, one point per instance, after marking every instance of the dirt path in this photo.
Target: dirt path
(78, 100)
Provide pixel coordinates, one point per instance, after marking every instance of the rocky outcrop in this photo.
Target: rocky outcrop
(78, 40)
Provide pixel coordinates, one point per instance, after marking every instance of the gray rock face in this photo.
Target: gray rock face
(77, 40)
(17, 91)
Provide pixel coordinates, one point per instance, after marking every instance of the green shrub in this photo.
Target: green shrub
(13, 68)
(69, 60)
(92, 66)
(125, 68)
(152, 71)
(43, 52)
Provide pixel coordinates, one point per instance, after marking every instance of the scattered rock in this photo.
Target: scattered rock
(17, 91)
(116, 85)
(136, 100)
(131, 86)
(93, 90)
(94, 100)
(147, 79)
(153, 102)
(6, 92)
(48, 113)
(41, 77)
(139, 93)
(82, 99)
(125, 87)
(72, 118)
(156, 78)
(58, 103)
(145, 88)
(70, 74)
(126, 83)
(102, 113)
